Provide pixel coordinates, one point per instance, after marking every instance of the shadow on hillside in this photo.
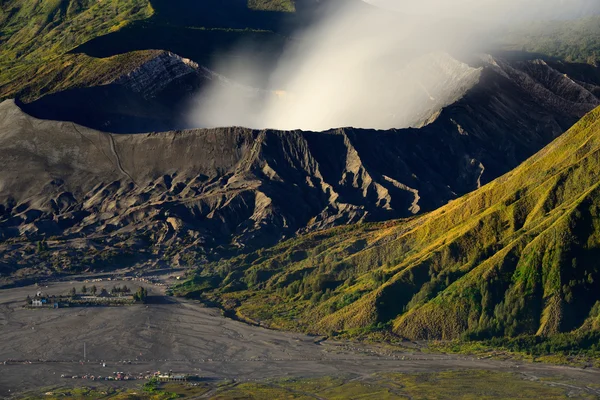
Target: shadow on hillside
(201, 30)
(109, 108)
(200, 45)
(216, 14)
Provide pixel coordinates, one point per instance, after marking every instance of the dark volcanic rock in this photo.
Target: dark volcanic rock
(184, 196)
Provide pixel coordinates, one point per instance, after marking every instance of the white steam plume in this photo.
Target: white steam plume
(370, 67)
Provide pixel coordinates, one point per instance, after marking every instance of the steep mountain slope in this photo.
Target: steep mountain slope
(33, 29)
(152, 95)
(518, 256)
(35, 35)
(73, 71)
(199, 194)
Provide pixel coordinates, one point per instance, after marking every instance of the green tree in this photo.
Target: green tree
(141, 294)
(73, 292)
(84, 289)
(94, 290)
(42, 246)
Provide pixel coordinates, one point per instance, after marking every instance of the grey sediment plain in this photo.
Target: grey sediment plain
(185, 336)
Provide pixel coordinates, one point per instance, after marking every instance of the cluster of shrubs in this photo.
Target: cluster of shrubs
(141, 294)
(572, 344)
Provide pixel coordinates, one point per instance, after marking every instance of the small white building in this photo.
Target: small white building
(36, 303)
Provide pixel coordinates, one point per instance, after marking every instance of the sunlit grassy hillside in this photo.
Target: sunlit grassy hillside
(32, 31)
(37, 36)
(573, 41)
(272, 5)
(517, 257)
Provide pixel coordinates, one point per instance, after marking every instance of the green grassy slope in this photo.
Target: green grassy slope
(272, 5)
(459, 384)
(573, 41)
(70, 71)
(37, 36)
(519, 256)
(33, 31)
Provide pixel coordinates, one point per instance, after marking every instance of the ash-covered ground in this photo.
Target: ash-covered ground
(40, 345)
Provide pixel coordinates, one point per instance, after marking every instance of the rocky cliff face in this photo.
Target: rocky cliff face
(91, 198)
(157, 74)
